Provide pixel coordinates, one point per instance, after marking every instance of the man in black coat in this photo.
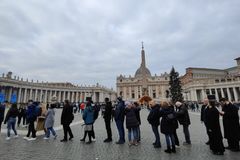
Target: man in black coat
(107, 119)
(119, 119)
(66, 119)
(230, 124)
(183, 118)
(203, 116)
(213, 126)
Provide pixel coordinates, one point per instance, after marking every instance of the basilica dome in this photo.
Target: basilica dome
(143, 71)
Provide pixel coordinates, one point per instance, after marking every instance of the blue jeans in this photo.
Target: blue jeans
(186, 133)
(170, 137)
(11, 124)
(121, 131)
(50, 130)
(156, 133)
(132, 132)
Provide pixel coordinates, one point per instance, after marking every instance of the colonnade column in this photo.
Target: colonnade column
(25, 95)
(216, 94)
(40, 98)
(19, 95)
(46, 93)
(68, 95)
(72, 97)
(64, 95)
(9, 94)
(203, 94)
(222, 93)
(101, 99)
(235, 94)
(229, 94)
(210, 91)
(36, 92)
(59, 96)
(77, 97)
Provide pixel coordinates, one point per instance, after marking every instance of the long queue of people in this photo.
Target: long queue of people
(166, 115)
(131, 112)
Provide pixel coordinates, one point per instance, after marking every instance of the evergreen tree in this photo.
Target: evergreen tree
(175, 86)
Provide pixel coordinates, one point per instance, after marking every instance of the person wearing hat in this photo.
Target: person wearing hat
(230, 124)
(119, 119)
(213, 127)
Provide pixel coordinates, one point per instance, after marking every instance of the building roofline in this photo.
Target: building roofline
(231, 68)
(213, 69)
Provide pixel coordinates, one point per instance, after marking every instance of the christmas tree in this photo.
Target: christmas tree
(175, 86)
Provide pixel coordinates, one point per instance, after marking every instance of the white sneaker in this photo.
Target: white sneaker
(94, 139)
(26, 138)
(46, 138)
(16, 136)
(8, 138)
(32, 139)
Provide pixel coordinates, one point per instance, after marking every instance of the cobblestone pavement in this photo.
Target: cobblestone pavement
(75, 150)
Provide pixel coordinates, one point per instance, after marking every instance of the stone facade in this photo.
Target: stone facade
(199, 82)
(16, 89)
(143, 83)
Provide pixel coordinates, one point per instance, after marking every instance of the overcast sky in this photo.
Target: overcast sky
(90, 41)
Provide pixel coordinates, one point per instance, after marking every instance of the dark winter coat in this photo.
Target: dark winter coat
(108, 111)
(137, 112)
(131, 118)
(31, 113)
(2, 112)
(67, 115)
(154, 116)
(12, 113)
(168, 126)
(22, 112)
(203, 116)
(119, 111)
(183, 116)
(231, 122)
(214, 130)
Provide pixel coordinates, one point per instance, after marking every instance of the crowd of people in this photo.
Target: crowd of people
(167, 115)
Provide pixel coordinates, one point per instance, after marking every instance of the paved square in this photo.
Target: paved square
(75, 150)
